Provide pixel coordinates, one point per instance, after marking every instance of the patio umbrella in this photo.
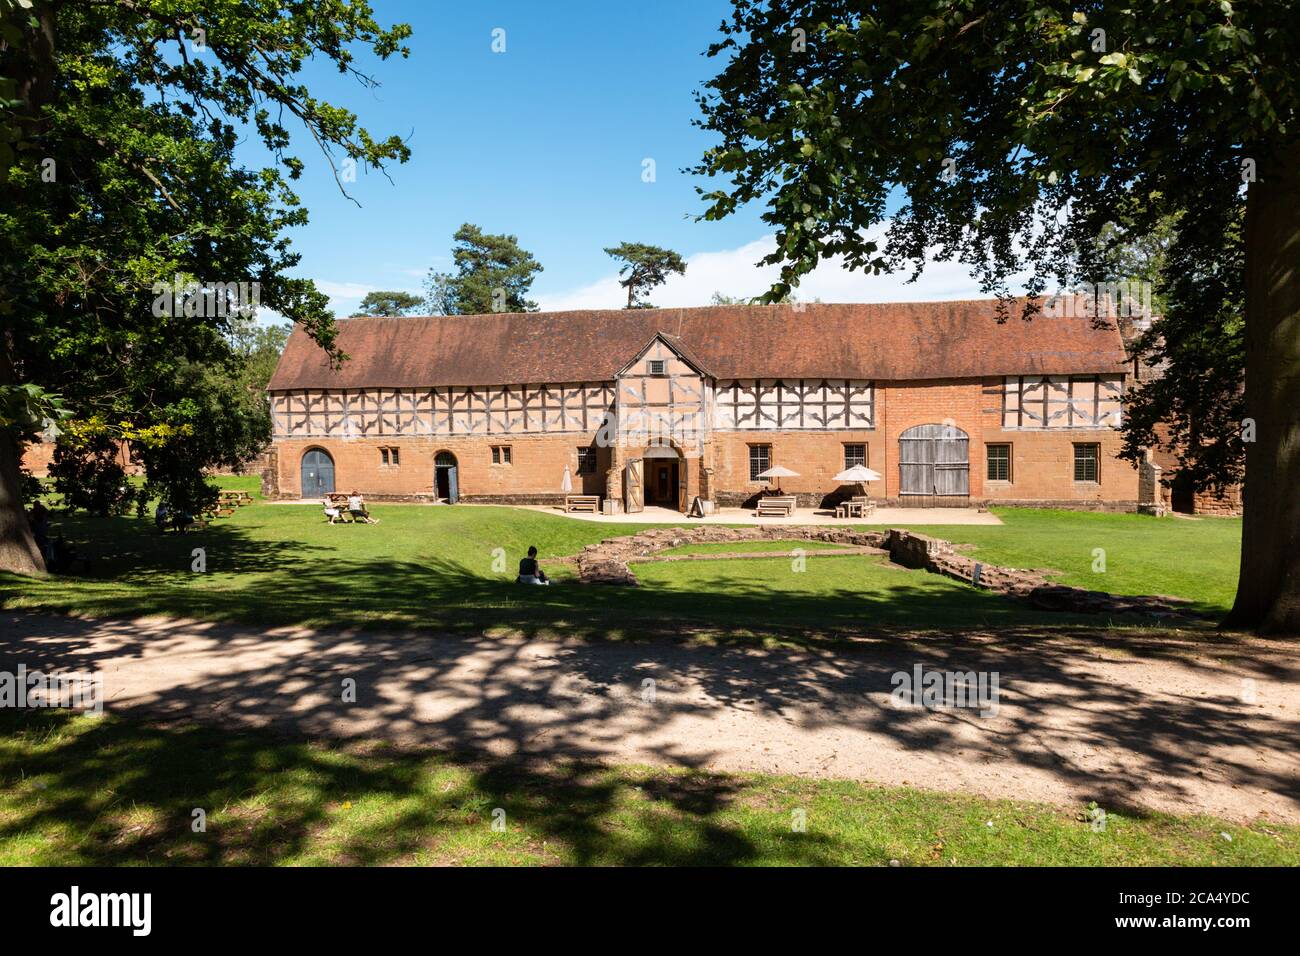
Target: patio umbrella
(777, 471)
(858, 474)
(566, 483)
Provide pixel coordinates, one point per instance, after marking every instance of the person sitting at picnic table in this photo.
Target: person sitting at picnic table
(332, 512)
(529, 572)
(357, 508)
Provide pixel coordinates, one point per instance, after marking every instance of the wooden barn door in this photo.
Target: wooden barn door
(934, 466)
(633, 487)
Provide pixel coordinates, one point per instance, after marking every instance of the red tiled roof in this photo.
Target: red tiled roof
(913, 340)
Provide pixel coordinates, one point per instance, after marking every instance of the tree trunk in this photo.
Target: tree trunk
(1268, 592)
(18, 551)
(30, 63)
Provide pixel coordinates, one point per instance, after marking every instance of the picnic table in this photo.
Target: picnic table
(775, 506)
(574, 504)
(855, 508)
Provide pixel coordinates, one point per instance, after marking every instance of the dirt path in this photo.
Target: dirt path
(1186, 724)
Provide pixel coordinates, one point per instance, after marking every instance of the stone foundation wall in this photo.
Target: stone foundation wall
(609, 563)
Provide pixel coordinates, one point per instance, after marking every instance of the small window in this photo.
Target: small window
(760, 460)
(1087, 465)
(586, 461)
(855, 454)
(500, 454)
(658, 366)
(383, 456)
(999, 457)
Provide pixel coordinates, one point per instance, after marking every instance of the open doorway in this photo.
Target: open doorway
(662, 478)
(446, 480)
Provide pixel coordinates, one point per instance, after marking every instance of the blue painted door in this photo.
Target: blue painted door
(317, 474)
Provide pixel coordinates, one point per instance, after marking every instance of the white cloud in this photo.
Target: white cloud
(733, 272)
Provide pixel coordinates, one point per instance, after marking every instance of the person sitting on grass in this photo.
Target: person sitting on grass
(529, 572)
(332, 512)
(357, 508)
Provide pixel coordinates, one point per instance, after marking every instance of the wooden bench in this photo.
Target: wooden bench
(582, 503)
(776, 506)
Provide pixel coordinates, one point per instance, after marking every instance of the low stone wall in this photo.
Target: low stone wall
(608, 563)
(1031, 585)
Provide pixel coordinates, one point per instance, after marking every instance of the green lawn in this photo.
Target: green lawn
(1196, 558)
(452, 568)
(753, 547)
(104, 791)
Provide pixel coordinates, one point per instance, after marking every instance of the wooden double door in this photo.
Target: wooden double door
(654, 481)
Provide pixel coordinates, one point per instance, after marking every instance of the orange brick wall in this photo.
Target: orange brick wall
(1042, 467)
(1042, 461)
(536, 469)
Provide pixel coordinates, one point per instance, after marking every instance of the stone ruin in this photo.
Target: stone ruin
(609, 563)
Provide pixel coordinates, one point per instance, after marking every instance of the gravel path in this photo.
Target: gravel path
(1189, 724)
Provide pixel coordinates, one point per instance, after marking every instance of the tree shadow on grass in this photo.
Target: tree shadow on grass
(128, 793)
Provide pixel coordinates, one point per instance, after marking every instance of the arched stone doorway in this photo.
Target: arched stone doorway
(317, 473)
(446, 477)
(665, 477)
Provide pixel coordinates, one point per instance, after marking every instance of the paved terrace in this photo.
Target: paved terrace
(894, 517)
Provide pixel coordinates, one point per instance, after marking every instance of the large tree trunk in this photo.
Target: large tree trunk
(18, 551)
(30, 63)
(1268, 592)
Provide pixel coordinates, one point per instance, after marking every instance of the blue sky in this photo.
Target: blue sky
(547, 141)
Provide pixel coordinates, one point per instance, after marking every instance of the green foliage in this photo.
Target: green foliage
(389, 303)
(122, 183)
(492, 274)
(988, 123)
(644, 268)
(1017, 137)
(90, 476)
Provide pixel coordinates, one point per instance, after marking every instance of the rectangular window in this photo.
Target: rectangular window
(500, 454)
(388, 456)
(383, 456)
(586, 461)
(1087, 465)
(657, 366)
(999, 457)
(855, 454)
(760, 460)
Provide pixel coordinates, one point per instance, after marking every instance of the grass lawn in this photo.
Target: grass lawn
(1197, 559)
(104, 791)
(452, 568)
(753, 547)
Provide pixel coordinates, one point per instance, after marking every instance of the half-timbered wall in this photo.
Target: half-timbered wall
(1062, 401)
(794, 404)
(504, 410)
(661, 396)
